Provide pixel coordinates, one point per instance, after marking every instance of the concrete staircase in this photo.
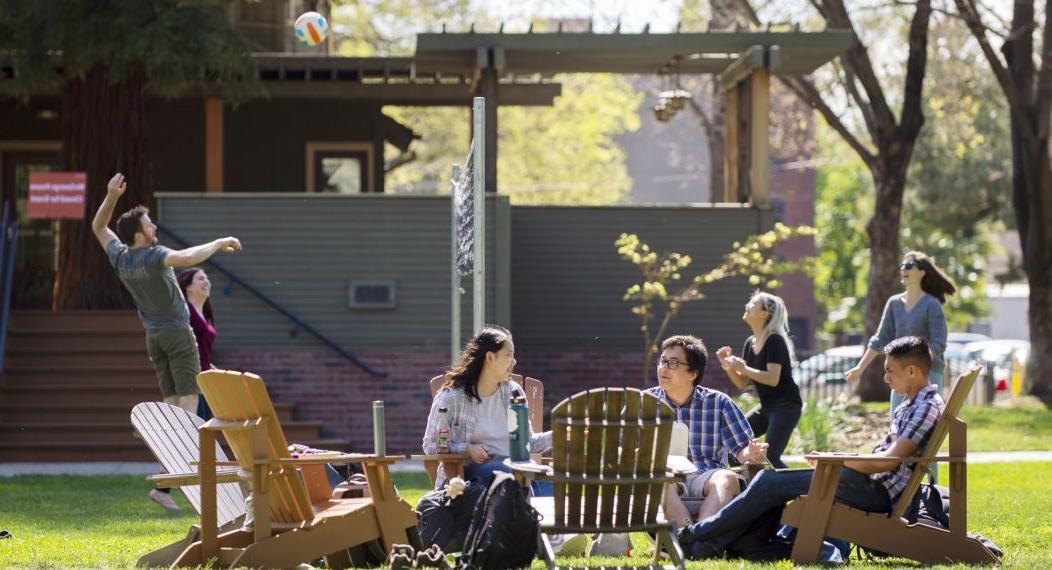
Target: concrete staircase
(70, 380)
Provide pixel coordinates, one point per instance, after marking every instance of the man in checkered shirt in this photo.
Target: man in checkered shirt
(871, 486)
(717, 429)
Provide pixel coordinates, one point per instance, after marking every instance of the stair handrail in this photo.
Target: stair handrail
(299, 323)
(8, 239)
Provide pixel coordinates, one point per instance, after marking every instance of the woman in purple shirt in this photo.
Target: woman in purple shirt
(196, 287)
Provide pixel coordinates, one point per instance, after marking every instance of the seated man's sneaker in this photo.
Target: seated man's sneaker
(163, 499)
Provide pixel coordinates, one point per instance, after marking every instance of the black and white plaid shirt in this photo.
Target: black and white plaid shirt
(914, 419)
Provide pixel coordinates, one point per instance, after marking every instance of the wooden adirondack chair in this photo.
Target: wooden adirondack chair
(816, 515)
(608, 468)
(453, 463)
(171, 434)
(292, 523)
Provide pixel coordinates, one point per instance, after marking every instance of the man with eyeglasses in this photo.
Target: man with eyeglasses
(717, 428)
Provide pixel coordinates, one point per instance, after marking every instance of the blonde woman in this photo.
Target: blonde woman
(767, 361)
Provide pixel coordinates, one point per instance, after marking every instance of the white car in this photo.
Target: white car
(829, 366)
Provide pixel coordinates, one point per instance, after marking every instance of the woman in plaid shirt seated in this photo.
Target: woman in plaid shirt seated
(871, 486)
(476, 395)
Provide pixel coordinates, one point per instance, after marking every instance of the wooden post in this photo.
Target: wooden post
(758, 135)
(488, 89)
(206, 468)
(730, 146)
(213, 144)
(958, 478)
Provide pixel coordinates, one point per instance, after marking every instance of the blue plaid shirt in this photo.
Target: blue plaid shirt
(716, 426)
(914, 419)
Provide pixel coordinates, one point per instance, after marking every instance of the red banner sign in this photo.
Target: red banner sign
(57, 195)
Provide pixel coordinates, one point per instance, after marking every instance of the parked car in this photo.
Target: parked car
(997, 356)
(963, 338)
(828, 366)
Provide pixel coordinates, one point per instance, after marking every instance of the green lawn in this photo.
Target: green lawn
(63, 522)
(1021, 425)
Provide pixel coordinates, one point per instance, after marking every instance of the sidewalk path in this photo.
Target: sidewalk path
(115, 468)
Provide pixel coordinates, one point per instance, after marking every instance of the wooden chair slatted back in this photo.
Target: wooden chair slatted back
(236, 396)
(952, 408)
(610, 447)
(170, 433)
(531, 387)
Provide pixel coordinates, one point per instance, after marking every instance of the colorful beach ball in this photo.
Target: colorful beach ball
(311, 28)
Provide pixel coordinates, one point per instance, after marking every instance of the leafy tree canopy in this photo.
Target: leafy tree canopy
(179, 46)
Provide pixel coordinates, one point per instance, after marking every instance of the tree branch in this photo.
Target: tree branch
(971, 17)
(851, 87)
(954, 15)
(808, 93)
(706, 122)
(857, 59)
(916, 66)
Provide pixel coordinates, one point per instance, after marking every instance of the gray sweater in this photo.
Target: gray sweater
(925, 320)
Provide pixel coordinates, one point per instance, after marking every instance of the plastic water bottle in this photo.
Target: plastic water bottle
(518, 438)
(443, 430)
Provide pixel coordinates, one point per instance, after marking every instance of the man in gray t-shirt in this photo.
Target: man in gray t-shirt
(145, 269)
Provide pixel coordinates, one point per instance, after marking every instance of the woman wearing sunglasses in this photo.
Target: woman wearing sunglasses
(917, 312)
(767, 360)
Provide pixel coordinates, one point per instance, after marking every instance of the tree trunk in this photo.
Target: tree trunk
(103, 132)
(889, 179)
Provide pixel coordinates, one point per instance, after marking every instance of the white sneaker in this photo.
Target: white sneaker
(163, 499)
(570, 544)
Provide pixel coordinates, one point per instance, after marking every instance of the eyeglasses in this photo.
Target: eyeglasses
(670, 363)
(907, 265)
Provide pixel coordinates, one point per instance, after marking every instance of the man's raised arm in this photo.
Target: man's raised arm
(200, 253)
(100, 225)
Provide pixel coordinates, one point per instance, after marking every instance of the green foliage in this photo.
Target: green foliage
(843, 204)
(179, 46)
(563, 154)
(662, 272)
(817, 428)
(568, 153)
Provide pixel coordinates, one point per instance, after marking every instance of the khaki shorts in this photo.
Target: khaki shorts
(173, 353)
(695, 484)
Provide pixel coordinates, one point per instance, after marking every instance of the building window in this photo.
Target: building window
(344, 168)
(799, 329)
(373, 294)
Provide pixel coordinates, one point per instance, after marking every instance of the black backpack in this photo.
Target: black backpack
(444, 521)
(504, 528)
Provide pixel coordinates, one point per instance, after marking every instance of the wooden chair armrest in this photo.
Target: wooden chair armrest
(527, 471)
(440, 457)
(218, 464)
(339, 459)
(181, 479)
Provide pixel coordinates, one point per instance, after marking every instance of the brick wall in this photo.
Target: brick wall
(327, 388)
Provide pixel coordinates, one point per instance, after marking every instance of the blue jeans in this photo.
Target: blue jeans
(483, 474)
(935, 378)
(771, 490)
(778, 423)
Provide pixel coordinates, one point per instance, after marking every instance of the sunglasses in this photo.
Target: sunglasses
(907, 265)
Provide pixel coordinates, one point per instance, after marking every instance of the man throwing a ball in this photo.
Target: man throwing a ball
(145, 269)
